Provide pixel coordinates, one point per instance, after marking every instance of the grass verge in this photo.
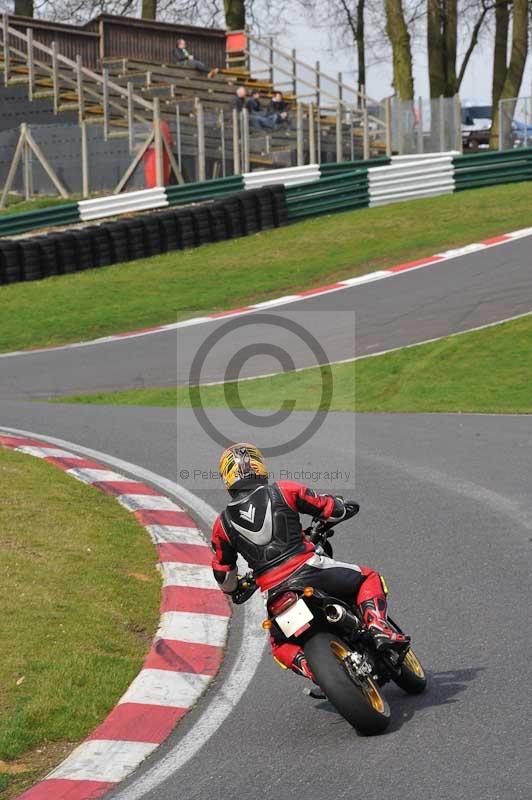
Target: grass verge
(483, 371)
(79, 597)
(173, 286)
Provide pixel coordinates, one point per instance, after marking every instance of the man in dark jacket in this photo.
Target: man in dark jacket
(185, 58)
(238, 100)
(257, 119)
(278, 108)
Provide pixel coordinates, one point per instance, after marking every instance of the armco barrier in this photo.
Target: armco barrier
(327, 170)
(58, 253)
(290, 176)
(410, 178)
(64, 214)
(491, 169)
(115, 204)
(327, 195)
(390, 180)
(203, 190)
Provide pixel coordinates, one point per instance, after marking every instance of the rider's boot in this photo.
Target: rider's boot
(372, 603)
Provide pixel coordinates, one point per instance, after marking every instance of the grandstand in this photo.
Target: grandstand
(120, 75)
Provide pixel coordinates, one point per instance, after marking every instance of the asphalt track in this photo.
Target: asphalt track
(434, 301)
(446, 516)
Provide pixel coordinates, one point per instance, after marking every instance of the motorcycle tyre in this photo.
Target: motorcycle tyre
(344, 694)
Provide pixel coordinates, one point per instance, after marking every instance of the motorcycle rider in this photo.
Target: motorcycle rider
(262, 523)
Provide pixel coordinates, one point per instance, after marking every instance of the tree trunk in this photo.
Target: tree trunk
(24, 8)
(450, 32)
(514, 74)
(361, 46)
(500, 54)
(399, 37)
(435, 49)
(149, 9)
(235, 14)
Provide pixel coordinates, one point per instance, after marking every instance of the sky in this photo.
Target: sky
(312, 45)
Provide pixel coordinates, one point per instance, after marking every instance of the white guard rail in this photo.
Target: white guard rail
(122, 203)
(290, 176)
(410, 177)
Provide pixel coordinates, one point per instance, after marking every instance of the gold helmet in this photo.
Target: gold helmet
(240, 462)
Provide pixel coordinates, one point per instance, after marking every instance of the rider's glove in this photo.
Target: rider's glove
(246, 587)
(343, 509)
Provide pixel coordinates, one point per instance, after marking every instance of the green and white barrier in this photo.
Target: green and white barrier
(312, 189)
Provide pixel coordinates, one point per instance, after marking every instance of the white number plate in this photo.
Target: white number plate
(296, 617)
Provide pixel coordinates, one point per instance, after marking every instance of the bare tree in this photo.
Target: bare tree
(235, 14)
(399, 36)
(513, 73)
(24, 8)
(442, 35)
(149, 9)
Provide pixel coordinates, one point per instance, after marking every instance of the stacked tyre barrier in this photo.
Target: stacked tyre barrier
(492, 169)
(241, 214)
(328, 195)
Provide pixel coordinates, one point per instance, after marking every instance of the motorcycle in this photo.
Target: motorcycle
(339, 649)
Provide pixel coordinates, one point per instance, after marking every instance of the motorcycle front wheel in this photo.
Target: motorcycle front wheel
(360, 702)
(412, 678)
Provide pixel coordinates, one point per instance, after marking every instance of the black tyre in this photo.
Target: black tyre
(202, 227)
(264, 208)
(413, 679)
(361, 705)
(119, 246)
(186, 231)
(169, 233)
(233, 220)
(83, 246)
(152, 234)
(249, 212)
(280, 209)
(48, 250)
(11, 263)
(30, 258)
(66, 253)
(218, 222)
(102, 247)
(136, 245)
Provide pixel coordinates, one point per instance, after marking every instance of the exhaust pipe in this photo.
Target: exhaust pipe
(335, 613)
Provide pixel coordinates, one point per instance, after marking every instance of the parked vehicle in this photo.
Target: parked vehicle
(476, 127)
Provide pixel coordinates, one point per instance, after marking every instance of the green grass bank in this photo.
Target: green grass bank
(79, 597)
(488, 371)
(181, 285)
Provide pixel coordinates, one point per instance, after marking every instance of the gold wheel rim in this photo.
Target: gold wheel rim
(373, 695)
(413, 664)
(340, 650)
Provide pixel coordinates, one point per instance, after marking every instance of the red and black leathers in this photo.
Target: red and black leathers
(263, 525)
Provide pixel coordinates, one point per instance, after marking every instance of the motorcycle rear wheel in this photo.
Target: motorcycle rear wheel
(361, 705)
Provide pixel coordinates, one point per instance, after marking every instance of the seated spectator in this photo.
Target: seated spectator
(187, 59)
(278, 109)
(238, 100)
(257, 119)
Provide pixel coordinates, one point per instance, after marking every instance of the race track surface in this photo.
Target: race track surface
(434, 301)
(446, 515)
